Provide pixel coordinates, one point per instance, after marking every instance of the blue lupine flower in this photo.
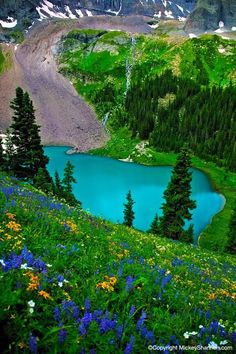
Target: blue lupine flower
(144, 331)
(87, 305)
(60, 278)
(120, 272)
(141, 320)
(129, 347)
(82, 329)
(233, 337)
(150, 337)
(62, 335)
(87, 319)
(166, 280)
(119, 332)
(129, 283)
(105, 326)
(32, 344)
(57, 314)
(132, 310)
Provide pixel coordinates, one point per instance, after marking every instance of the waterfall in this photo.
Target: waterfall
(129, 64)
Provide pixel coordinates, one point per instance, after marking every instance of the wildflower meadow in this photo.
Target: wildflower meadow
(73, 283)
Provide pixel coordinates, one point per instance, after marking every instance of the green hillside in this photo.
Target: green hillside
(2, 60)
(77, 284)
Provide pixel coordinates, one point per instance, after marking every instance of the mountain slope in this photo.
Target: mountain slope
(209, 13)
(26, 11)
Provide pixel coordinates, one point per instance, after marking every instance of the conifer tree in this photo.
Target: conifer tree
(67, 181)
(178, 202)
(231, 246)
(43, 181)
(58, 185)
(128, 210)
(28, 155)
(187, 235)
(154, 227)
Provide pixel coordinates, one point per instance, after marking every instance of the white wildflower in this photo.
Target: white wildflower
(31, 310)
(186, 335)
(60, 283)
(31, 303)
(212, 345)
(223, 342)
(2, 262)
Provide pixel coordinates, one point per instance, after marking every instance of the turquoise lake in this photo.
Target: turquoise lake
(102, 185)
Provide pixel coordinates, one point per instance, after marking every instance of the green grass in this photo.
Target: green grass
(5, 59)
(2, 61)
(103, 283)
(214, 237)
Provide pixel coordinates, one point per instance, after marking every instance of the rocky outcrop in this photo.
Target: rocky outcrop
(209, 13)
(26, 11)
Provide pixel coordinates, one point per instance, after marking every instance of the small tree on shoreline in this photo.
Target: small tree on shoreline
(128, 210)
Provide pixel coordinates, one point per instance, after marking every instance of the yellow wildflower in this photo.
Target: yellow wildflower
(44, 294)
(10, 216)
(12, 225)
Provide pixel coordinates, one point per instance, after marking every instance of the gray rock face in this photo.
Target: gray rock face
(208, 13)
(26, 11)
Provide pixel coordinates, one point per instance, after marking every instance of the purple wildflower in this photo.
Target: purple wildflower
(62, 335)
(57, 314)
(129, 347)
(166, 280)
(119, 332)
(129, 283)
(87, 305)
(141, 321)
(132, 310)
(32, 343)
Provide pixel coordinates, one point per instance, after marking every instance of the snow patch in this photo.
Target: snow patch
(164, 2)
(180, 8)
(48, 3)
(154, 26)
(80, 13)
(158, 15)
(182, 19)
(71, 15)
(89, 13)
(16, 46)
(168, 14)
(192, 35)
(233, 29)
(219, 30)
(10, 23)
(221, 24)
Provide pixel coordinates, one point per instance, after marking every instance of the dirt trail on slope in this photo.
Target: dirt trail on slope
(65, 118)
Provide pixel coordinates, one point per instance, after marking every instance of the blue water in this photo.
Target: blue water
(102, 185)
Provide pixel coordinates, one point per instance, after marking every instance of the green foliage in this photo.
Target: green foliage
(128, 210)
(17, 36)
(178, 204)
(2, 60)
(64, 267)
(231, 246)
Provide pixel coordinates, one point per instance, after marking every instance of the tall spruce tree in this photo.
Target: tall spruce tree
(178, 202)
(67, 181)
(28, 156)
(128, 210)
(231, 246)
